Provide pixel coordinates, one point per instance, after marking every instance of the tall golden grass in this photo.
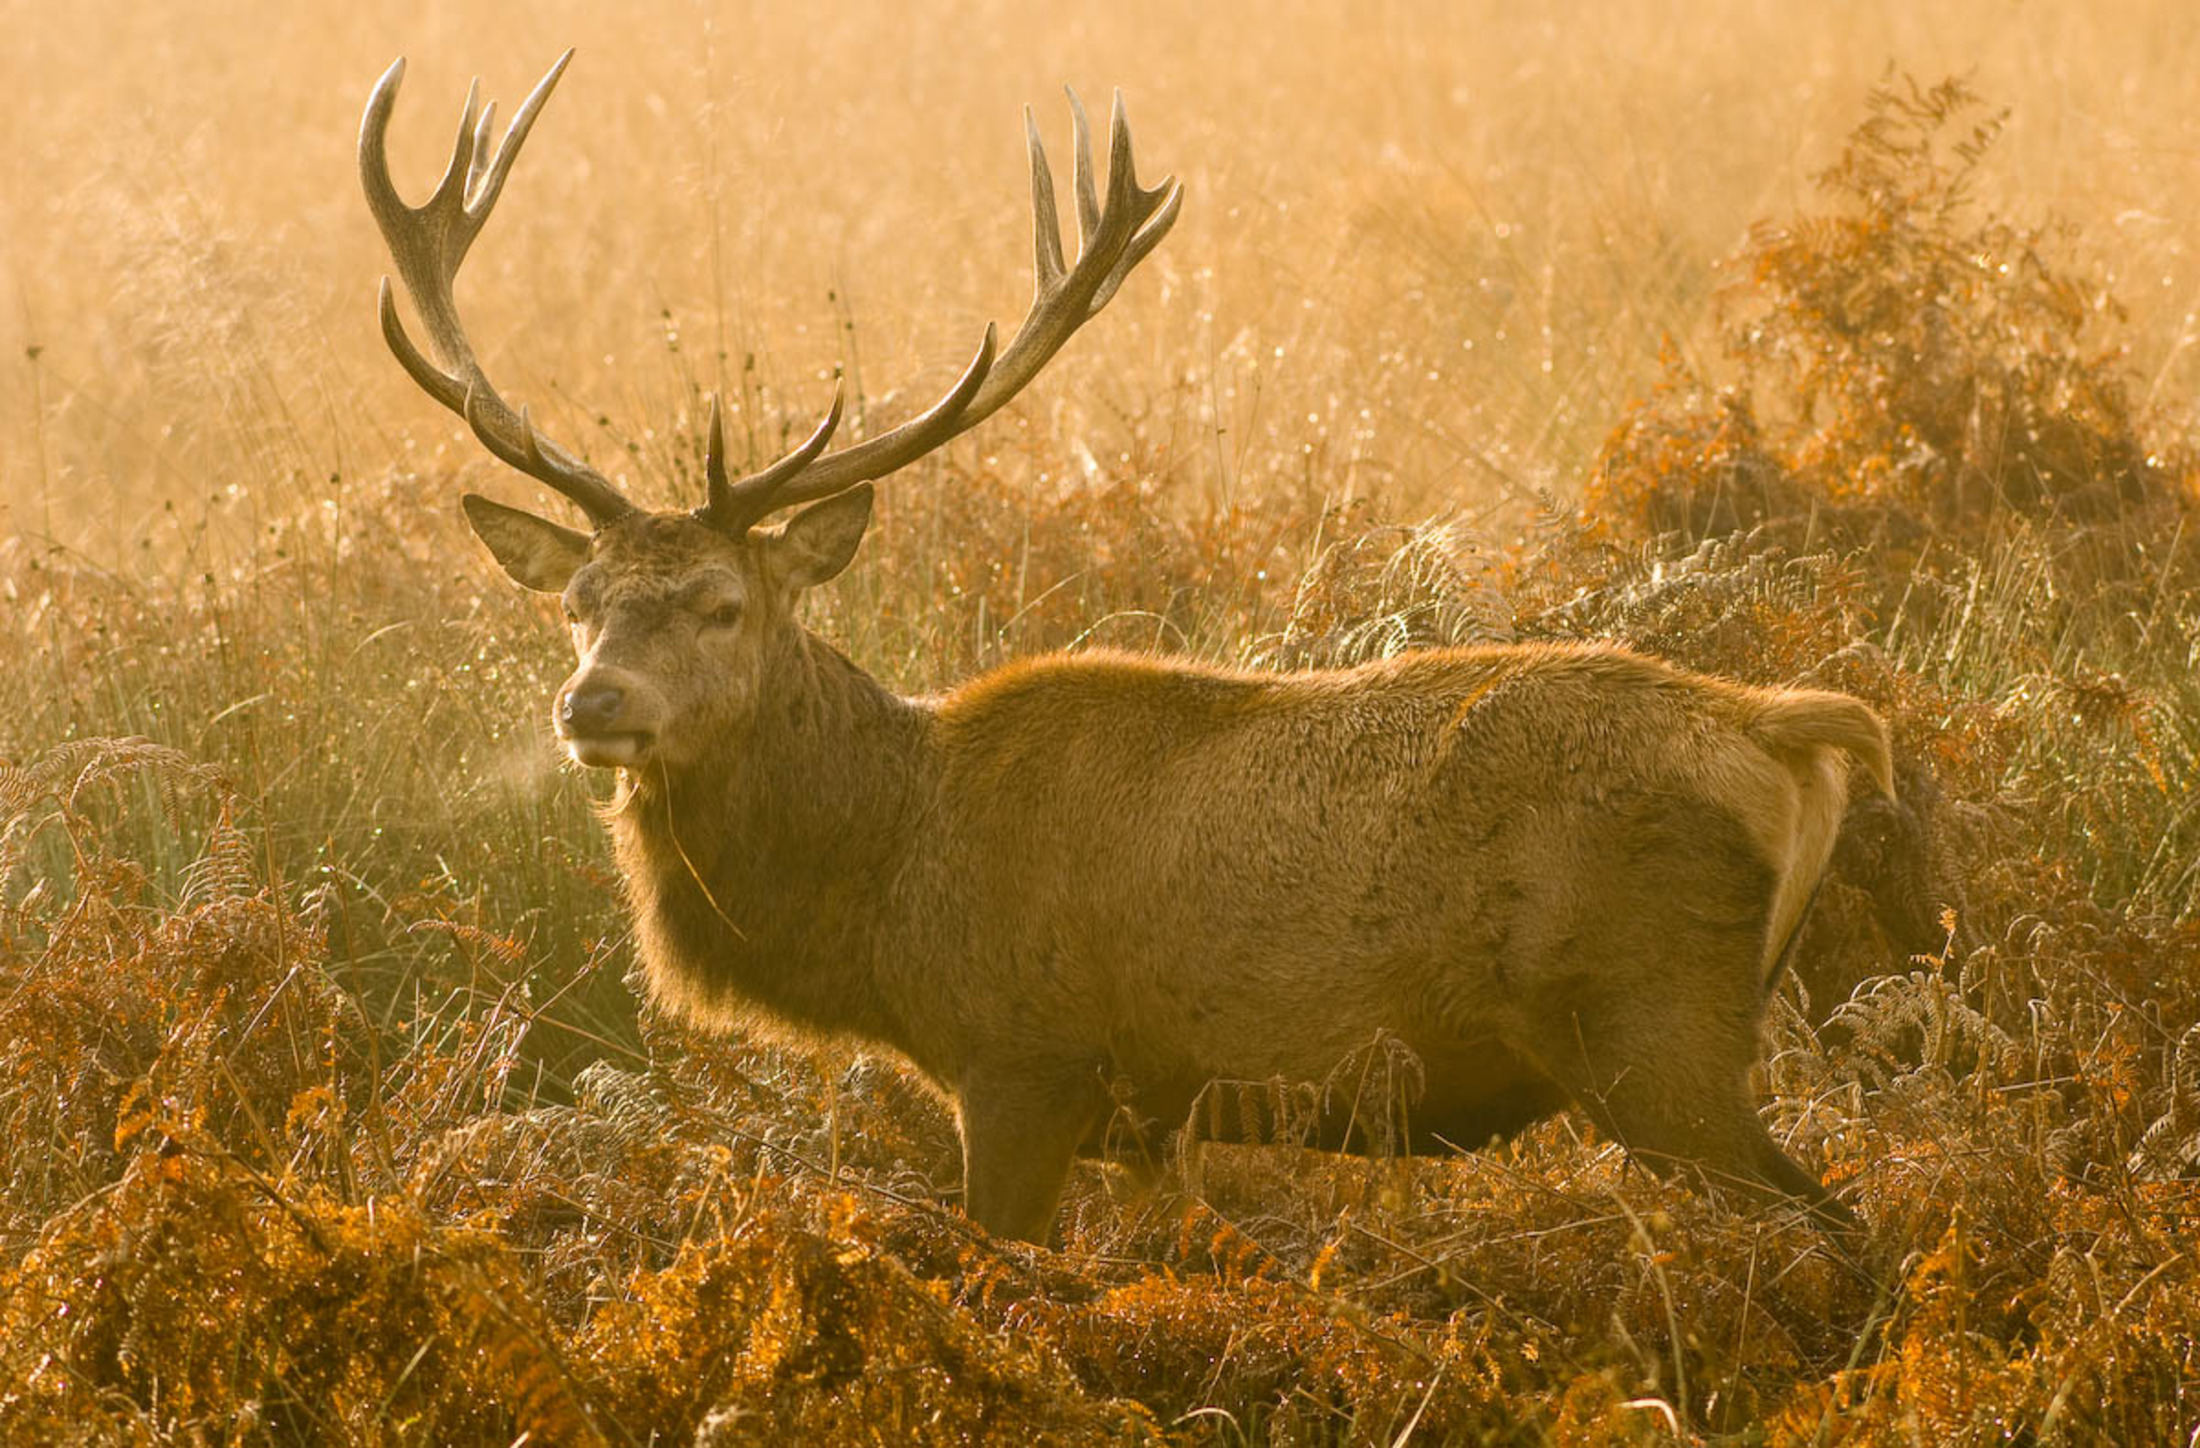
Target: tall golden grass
(325, 1113)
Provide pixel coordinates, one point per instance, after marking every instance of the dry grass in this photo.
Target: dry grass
(325, 1114)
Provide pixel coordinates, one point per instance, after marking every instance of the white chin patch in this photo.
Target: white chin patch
(608, 751)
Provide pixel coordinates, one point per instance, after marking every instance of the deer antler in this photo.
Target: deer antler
(429, 243)
(1112, 239)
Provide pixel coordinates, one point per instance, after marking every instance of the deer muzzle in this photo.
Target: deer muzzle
(599, 725)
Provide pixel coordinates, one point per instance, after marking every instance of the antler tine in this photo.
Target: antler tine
(1088, 204)
(428, 243)
(736, 507)
(1047, 266)
(1114, 235)
(481, 153)
(520, 448)
(1165, 201)
(840, 471)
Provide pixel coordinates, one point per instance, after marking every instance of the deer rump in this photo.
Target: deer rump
(1555, 875)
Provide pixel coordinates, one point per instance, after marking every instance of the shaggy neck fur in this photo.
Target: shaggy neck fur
(758, 876)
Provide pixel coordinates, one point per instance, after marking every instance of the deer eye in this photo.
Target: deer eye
(725, 615)
(572, 614)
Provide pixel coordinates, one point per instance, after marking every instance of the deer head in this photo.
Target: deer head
(683, 620)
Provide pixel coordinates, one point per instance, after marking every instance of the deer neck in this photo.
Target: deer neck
(764, 876)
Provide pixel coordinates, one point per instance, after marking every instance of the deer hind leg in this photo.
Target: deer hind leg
(1645, 1000)
(1672, 1086)
(1019, 1136)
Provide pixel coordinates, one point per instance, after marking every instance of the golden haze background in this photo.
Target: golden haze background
(1438, 244)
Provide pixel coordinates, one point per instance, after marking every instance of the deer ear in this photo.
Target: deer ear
(535, 551)
(816, 543)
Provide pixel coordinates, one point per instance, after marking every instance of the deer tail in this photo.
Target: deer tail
(1803, 719)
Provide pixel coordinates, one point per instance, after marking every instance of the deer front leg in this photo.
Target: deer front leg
(1019, 1135)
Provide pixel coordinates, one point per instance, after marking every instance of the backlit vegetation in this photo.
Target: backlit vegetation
(325, 1112)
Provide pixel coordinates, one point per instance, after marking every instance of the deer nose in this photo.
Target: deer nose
(592, 709)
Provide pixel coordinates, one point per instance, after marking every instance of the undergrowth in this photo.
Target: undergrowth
(327, 1116)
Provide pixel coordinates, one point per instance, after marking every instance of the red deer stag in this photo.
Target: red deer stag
(1558, 874)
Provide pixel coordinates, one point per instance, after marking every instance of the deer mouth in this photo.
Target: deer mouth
(610, 751)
